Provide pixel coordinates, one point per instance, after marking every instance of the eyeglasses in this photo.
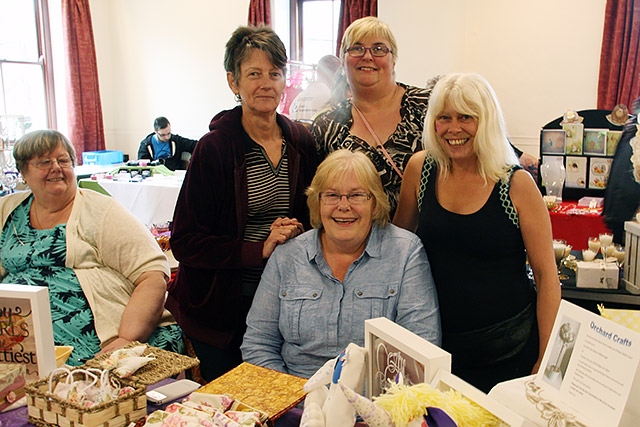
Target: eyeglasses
(377, 51)
(330, 198)
(46, 164)
(162, 135)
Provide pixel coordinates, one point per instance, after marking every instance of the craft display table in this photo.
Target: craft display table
(576, 224)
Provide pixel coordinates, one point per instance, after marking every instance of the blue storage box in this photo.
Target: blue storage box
(103, 157)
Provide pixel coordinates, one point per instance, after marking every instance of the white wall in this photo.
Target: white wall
(164, 57)
(542, 57)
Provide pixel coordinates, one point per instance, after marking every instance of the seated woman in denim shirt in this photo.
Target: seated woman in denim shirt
(318, 289)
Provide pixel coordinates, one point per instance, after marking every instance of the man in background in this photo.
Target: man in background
(170, 149)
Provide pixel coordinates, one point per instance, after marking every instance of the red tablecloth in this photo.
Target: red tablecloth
(576, 224)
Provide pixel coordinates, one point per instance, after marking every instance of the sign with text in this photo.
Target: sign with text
(26, 334)
(591, 365)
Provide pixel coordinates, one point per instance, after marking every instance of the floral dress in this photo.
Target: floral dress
(37, 257)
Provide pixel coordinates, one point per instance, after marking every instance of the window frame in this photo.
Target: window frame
(44, 53)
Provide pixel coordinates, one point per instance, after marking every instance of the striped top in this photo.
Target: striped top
(269, 195)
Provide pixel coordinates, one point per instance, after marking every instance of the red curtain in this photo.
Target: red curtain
(259, 12)
(86, 129)
(619, 80)
(350, 10)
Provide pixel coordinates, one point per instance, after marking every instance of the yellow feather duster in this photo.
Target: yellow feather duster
(406, 403)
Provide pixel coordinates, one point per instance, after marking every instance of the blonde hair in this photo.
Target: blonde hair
(471, 94)
(363, 28)
(333, 169)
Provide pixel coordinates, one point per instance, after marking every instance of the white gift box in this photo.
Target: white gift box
(631, 276)
(597, 274)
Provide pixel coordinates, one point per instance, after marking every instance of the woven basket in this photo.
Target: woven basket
(166, 364)
(47, 410)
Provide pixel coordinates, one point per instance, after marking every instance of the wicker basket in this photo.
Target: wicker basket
(45, 409)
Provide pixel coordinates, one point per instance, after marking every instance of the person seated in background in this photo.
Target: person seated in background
(170, 149)
(466, 192)
(105, 272)
(622, 195)
(317, 95)
(318, 289)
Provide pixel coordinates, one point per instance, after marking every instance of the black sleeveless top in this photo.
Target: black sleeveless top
(478, 261)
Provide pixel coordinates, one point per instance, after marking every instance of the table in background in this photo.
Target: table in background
(151, 200)
(576, 224)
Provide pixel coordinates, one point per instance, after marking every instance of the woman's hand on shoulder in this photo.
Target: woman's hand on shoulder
(282, 229)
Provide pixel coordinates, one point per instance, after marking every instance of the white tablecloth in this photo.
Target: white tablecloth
(152, 201)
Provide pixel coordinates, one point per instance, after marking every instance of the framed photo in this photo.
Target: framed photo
(446, 381)
(576, 172)
(26, 335)
(395, 352)
(595, 142)
(552, 141)
(574, 136)
(599, 172)
(613, 138)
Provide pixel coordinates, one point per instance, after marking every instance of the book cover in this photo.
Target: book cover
(264, 389)
(26, 334)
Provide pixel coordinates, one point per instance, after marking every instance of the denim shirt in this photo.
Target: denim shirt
(303, 316)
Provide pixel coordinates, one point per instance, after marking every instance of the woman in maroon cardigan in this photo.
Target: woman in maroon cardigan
(243, 194)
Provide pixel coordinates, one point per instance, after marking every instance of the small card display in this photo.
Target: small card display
(574, 137)
(595, 142)
(576, 172)
(553, 141)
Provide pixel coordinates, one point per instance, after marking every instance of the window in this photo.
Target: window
(26, 87)
(309, 28)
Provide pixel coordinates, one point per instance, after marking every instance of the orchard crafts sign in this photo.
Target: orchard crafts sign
(26, 335)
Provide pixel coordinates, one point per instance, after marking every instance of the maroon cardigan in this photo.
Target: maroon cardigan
(209, 222)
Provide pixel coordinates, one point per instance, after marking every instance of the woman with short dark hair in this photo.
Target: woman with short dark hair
(242, 195)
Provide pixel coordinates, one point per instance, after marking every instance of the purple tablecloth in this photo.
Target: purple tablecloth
(18, 417)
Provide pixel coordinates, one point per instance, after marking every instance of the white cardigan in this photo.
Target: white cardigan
(108, 249)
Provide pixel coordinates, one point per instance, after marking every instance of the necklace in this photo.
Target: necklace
(35, 214)
(15, 232)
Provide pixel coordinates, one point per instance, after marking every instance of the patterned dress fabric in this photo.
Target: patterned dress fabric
(37, 258)
(331, 130)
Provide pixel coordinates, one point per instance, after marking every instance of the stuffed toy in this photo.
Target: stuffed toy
(326, 404)
(419, 405)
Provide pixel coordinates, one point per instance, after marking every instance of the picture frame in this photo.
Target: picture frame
(613, 138)
(27, 333)
(395, 352)
(576, 172)
(552, 141)
(595, 142)
(599, 169)
(574, 138)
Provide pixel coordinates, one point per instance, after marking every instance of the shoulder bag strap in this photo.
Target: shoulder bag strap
(373, 134)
